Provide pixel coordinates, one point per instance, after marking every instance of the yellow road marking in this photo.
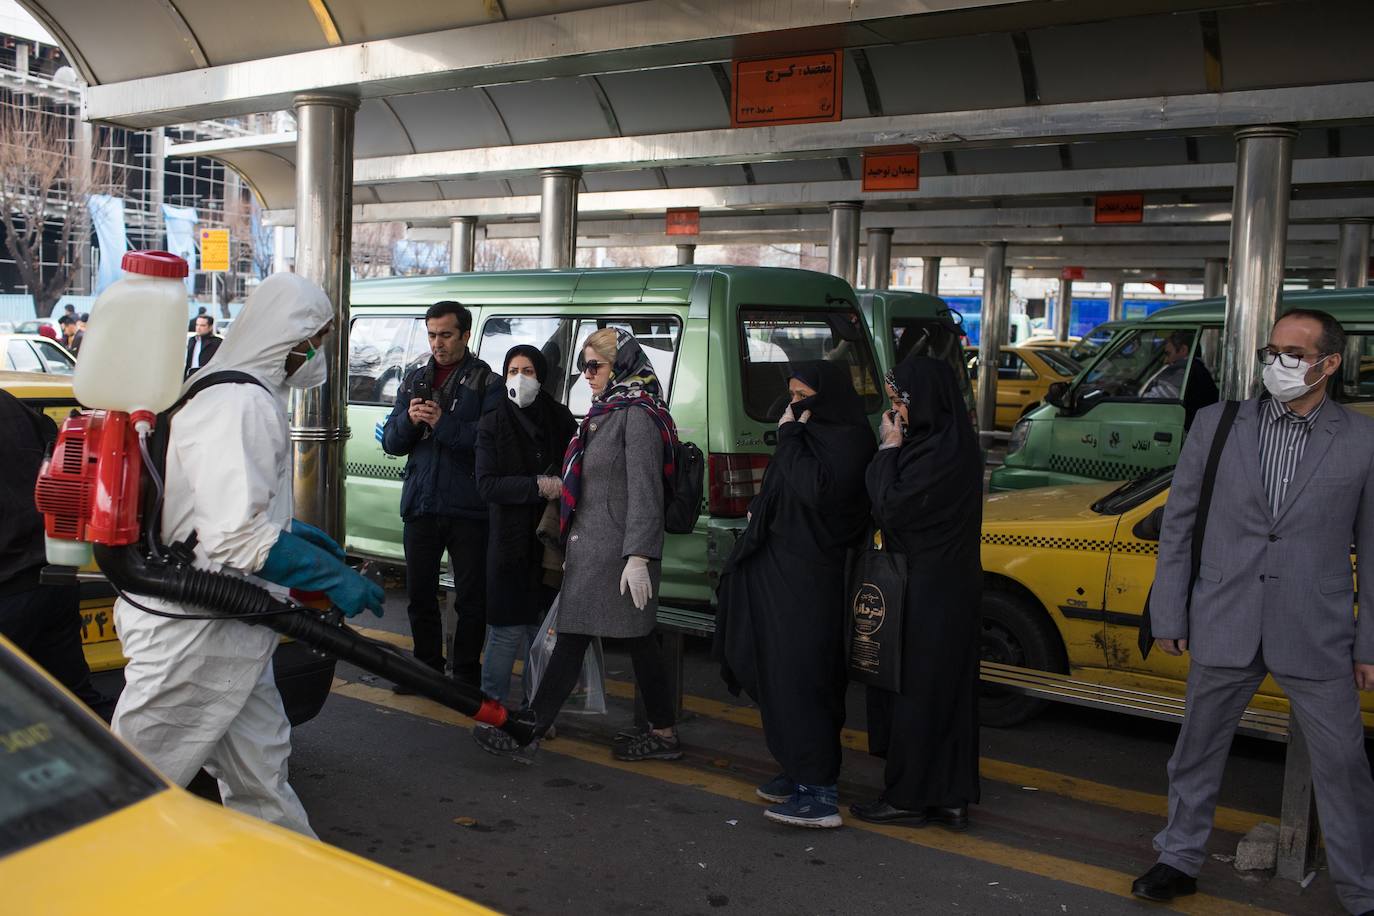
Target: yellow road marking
(1092, 877)
(1231, 820)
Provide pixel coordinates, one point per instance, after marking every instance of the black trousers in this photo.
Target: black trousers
(565, 664)
(426, 538)
(45, 622)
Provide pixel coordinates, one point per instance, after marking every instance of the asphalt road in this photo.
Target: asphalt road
(1070, 802)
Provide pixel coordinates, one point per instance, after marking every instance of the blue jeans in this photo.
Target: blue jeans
(498, 657)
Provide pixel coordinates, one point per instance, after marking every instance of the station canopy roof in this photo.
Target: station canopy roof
(1018, 104)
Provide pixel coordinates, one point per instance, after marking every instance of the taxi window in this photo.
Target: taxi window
(59, 769)
(772, 339)
(55, 359)
(377, 349)
(1144, 364)
(20, 357)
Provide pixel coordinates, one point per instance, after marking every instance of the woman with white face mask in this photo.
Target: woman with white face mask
(520, 447)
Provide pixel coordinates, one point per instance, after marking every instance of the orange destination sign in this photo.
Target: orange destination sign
(787, 90)
(892, 170)
(1119, 208)
(683, 221)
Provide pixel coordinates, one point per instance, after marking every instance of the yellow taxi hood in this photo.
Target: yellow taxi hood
(176, 854)
(1045, 505)
(36, 384)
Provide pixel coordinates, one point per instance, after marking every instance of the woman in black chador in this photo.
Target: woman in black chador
(926, 485)
(782, 593)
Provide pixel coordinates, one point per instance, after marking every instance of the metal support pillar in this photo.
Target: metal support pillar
(1063, 309)
(1352, 272)
(558, 217)
(1213, 278)
(283, 249)
(844, 240)
(1259, 226)
(157, 183)
(992, 333)
(1116, 305)
(84, 166)
(324, 236)
(462, 244)
(930, 276)
(879, 259)
(686, 253)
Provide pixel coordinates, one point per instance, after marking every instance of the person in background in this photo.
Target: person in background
(42, 620)
(926, 486)
(781, 624)
(71, 334)
(612, 524)
(520, 449)
(201, 312)
(1168, 382)
(47, 330)
(434, 423)
(202, 345)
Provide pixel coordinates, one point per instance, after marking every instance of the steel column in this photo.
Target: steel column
(686, 253)
(1352, 271)
(992, 334)
(283, 252)
(843, 247)
(462, 244)
(1213, 278)
(879, 259)
(1264, 169)
(930, 276)
(1063, 309)
(324, 197)
(558, 217)
(1116, 304)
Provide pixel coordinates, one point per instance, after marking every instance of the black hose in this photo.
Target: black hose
(130, 570)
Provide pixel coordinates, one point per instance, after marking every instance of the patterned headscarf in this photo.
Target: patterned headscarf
(633, 383)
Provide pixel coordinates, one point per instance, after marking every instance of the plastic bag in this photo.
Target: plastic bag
(588, 695)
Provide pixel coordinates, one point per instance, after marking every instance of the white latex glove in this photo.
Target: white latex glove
(786, 417)
(550, 487)
(635, 577)
(890, 431)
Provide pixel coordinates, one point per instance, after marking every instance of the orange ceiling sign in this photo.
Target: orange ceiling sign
(1071, 273)
(1119, 208)
(787, 90)
(892, 171)
(683, 221)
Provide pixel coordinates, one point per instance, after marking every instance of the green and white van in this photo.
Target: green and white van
(720, 339)
(1109, 423)
(904, 322)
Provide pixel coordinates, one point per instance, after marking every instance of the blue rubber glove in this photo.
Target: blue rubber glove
(296, 563)
(317, 537)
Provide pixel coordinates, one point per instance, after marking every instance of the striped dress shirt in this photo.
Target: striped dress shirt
(1283, 437)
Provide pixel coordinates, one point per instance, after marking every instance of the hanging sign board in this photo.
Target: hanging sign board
(892, 170)
(787, 90)
(683, 221)
(214, 249)
(1071, 273)
(1119, 208)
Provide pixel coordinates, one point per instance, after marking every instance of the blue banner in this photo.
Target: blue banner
(181, 238)
(107, 217)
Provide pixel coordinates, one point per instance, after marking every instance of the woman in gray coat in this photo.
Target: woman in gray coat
(612, 527)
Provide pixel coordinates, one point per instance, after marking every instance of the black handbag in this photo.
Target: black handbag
(876, 612)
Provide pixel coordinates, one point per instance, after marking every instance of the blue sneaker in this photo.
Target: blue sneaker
(809, 806)
(777, 790)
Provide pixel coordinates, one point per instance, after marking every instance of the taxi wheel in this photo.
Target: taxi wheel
(1015, 633)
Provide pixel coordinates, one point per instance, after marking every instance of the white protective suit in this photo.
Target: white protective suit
(201, 692)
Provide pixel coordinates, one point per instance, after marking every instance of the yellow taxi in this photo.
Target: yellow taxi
(303, 676)
(1024, 375)
(1067, 571)
(86, 826)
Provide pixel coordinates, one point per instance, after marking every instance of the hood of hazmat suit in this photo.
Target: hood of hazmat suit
(201, 692)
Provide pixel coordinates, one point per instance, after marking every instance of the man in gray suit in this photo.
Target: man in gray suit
(1273, 595)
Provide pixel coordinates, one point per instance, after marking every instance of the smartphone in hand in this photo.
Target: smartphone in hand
(422, 389)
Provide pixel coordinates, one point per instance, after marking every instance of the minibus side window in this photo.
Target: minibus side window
(772, 340)
(548, 335)
(930, 338)
(378, 350)
(1357, 367)
(658, 336)
(1136, 368)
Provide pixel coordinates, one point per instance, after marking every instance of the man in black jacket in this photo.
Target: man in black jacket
(202, 345)
(42, 620)
(434, 422)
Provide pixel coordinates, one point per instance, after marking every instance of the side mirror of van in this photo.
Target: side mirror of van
(1147, 529)
(1057, 392)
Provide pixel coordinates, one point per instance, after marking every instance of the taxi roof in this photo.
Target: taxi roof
(1347, 305)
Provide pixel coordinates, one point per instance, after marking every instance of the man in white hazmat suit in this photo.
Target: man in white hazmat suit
(201, 692)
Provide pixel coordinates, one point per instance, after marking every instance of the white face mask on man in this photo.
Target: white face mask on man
(522, 389)
(1287, 384)
(311, 373)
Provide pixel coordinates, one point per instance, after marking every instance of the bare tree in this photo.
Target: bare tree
(506, 254)
(264, 242)
(44, 184)
(373, 247)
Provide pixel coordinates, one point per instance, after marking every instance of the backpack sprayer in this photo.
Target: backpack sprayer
(95, 495)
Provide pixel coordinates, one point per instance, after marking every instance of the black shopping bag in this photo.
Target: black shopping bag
(877, 599)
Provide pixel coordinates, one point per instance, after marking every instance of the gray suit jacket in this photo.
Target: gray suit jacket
(1284, 584)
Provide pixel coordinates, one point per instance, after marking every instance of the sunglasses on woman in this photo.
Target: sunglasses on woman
(592, 366)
